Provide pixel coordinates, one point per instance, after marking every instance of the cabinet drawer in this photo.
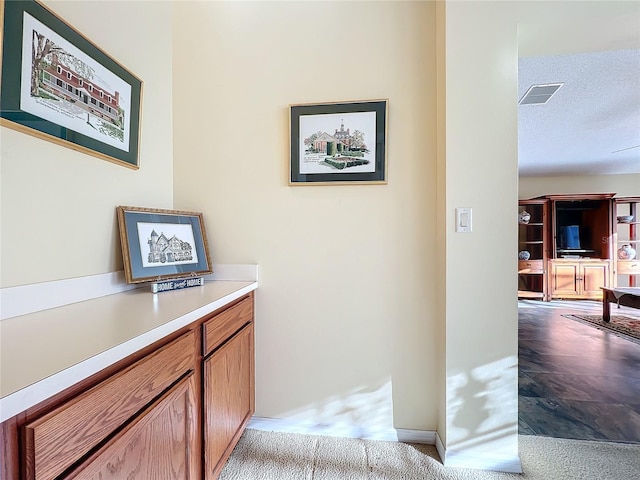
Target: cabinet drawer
(159, 444)
(222, 326)
(59, 439)
(629, 267)
(530, 266)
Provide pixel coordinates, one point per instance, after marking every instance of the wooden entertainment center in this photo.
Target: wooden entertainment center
(568, 248)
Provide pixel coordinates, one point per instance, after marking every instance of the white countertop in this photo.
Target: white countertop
(45, 352)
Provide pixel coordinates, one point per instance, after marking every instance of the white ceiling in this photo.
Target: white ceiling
(592, 124)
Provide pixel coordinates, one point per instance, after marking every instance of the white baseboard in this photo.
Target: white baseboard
(389, 434)
(440, 447)
(453, 458)
(425, 437)
(24, 299)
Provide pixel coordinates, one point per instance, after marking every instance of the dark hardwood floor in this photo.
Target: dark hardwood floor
(576, 381)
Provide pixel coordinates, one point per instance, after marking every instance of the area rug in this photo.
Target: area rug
(620, 324)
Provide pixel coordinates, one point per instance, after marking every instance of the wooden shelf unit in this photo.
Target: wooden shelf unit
(627, 272)
(533, 238)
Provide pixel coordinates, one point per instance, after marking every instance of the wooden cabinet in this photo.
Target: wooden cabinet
(228, 383)
(57, 440)
(162, 413)
(160, 443)
(533, 249)
(581, 226)
(223, 325)
(630, 268)
(627, 242)
(594, 276)
(229, 398)
(581, 238)
(571, 253)
(578, 279)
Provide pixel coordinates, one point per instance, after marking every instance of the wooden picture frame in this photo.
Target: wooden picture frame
(338, 143)
(59, 86)
(162, 244)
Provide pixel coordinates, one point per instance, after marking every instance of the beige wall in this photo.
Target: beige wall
(58, 205)
(621, 185)
(481, 172)
(346, 307)
(441, 216)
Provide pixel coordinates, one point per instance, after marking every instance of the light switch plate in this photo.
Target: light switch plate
(463, 219)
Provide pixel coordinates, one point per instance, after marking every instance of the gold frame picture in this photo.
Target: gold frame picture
(162, 244)
(338, 143)
(59, 86)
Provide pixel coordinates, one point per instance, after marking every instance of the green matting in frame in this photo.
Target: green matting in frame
(59, 86)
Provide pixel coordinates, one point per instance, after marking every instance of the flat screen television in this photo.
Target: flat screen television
(569, 238)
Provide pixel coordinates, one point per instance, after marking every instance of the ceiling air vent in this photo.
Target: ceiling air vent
(538, 94)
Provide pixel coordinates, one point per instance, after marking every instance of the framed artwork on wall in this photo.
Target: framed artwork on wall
(338, 143)
(59, 86)
(162, 244)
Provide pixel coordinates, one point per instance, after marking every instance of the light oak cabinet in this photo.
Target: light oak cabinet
(228, 394)
(172, 411)
(228, 386)
(579, 279)
(57, 440)
(160, 443)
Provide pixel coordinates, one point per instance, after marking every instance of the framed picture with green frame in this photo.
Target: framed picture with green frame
(338, 143)
(59, 86)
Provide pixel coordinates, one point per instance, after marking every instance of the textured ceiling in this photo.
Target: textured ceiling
(594, 49)
(591, 125)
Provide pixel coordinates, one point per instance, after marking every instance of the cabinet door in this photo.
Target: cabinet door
(564, 280)
(160, 444)
(594, 276)
(228, 398)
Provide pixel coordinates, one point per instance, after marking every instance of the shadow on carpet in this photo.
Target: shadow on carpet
(623, 326)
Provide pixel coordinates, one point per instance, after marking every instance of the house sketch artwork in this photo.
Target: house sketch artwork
(172, 250)
(63, 85)
(345, 150)
(66, 84)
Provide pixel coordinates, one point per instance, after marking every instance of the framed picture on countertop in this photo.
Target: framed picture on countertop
(162, 244)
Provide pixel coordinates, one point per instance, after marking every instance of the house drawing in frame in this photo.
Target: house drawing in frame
(163, 249)
(338, 143)
(340, 150)
(65, 83)
(62, 84)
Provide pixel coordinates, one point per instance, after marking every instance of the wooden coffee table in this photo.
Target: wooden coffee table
(625, 296)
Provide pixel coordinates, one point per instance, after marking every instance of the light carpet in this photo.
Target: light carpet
(262, 455)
